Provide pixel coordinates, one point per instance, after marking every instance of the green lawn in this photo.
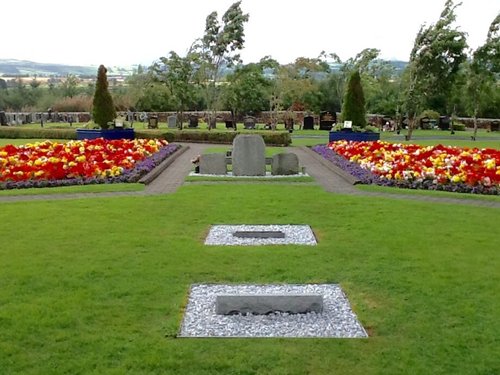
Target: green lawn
(99, 286)
(100, 188)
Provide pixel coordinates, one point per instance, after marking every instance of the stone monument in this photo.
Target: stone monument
(249, 155)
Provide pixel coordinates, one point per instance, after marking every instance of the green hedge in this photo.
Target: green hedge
(459, 127)
(25, 133)
(277, 138)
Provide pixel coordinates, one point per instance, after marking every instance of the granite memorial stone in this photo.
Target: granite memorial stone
(285, 164)
(308, 123)
(172, 121)
(213, 164)
(249, 157)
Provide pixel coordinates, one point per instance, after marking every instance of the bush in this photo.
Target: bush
(103, 108)
(270, 138)
(80, 103)
(353, 108)
(23, 133)
(459, 127)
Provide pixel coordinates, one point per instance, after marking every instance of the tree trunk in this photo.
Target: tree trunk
(411, 122)
(475, 125)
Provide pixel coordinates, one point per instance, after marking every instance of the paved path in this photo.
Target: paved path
(331, 179)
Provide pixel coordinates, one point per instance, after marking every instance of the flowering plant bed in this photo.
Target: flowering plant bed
(418, 167)
(47, 163)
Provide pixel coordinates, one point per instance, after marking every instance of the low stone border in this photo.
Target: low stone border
(293, 235)
(336, 320)
(148, 178)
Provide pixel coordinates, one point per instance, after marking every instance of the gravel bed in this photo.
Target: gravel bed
(294, 234)
(336, 320)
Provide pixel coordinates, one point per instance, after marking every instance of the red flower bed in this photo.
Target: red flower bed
(439, 164)
(96, 158)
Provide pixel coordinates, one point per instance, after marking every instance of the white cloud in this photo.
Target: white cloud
(115, 32)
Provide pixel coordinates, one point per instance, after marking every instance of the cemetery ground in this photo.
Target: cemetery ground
(100, 285)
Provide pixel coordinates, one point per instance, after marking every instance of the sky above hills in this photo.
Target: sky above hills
(124, 32)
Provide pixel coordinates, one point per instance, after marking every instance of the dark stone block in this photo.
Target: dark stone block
(259, 234)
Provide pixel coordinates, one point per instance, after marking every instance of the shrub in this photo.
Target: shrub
(103, 107)
(459, 127)
(353, 108)
(80, 103)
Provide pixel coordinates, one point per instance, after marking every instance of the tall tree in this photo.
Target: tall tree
(435, 59)
(482, 69)
(103, 110)
(178, 75)
(218, 48)
(247, 88)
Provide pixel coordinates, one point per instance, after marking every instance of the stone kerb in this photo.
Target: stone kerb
(284, 164)
(249, 155)
(213, 164)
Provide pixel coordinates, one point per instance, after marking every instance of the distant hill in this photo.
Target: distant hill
(29, 68)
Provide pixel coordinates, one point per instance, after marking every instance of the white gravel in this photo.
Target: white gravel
(294, 234)
(336, 320)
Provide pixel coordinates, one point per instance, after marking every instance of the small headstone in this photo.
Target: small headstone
(249, 157)
(495, 125)
(285, 164)
(3, 118)
(262, 304)
(308, 123)
(213, 164)
(229, 124)
(193, 121)
(249, 122)
(326, 120)
(172, 121)
(153, 122)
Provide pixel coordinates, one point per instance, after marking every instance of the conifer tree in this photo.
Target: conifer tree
(353, 108)
(103, 108)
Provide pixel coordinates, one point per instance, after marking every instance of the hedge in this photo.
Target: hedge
(276, 138)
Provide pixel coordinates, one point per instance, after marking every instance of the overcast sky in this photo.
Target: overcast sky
(124, 32)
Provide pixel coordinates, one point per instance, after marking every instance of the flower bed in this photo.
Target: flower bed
(49, 163)
(418, 167)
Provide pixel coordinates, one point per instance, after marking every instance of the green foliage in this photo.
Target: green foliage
(219, 47)
(435, 59)
(354, 102)
(79, 103)
(247, 91)
(103, 110)
(430, 114)
(38, 133)
(178, 75)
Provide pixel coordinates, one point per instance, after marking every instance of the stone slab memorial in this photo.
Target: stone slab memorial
(262, 304)
(213, 164)
(308, 123)
(193, 122)
(326, 120)
(283, 310)
(249, 155)
(285, 163)
(172, 121)
(249, 122)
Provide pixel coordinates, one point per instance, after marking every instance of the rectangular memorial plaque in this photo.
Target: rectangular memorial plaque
(259, 234)
(267, 304)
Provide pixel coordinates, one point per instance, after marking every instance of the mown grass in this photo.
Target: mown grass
(430, 193)
(101, 188)
(99, 285)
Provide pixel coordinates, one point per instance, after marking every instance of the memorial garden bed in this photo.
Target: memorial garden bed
(46, 164)
(439, 167)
